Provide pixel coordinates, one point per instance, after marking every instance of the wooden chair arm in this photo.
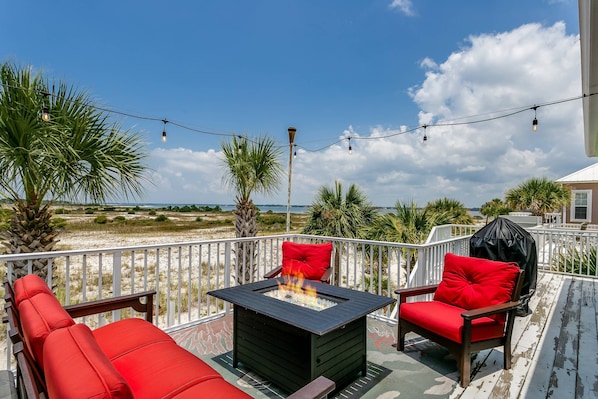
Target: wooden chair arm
(30, 380)
(318, 388)
(273, 273)
(490, 310)
(405, 293)
(119, 302)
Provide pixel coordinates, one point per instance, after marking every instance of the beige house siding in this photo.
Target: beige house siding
(592, 189)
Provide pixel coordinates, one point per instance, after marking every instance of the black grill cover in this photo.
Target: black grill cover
(506, 241)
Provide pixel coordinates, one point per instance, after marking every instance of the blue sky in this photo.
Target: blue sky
(369, 70)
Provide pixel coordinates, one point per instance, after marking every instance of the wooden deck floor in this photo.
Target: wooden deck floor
(555, 349)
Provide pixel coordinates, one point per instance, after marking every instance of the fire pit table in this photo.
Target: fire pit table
(290, 344)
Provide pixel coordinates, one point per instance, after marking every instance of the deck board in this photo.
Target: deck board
(588, 342)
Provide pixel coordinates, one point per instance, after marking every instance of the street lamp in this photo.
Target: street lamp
(292, 132)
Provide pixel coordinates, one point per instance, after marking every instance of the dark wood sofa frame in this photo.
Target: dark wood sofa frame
(30, 378)
(462, 351)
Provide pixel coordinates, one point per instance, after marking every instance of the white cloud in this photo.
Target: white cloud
(473, 163)
(405, 6)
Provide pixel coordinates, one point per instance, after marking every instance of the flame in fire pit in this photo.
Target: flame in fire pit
(299, 292)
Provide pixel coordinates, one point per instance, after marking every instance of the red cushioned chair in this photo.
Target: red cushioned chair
(308, 261)
(473, 309)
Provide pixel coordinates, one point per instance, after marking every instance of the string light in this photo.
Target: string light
(425, 135)
(45, 115)
(295, 152)
(350, 148)
(164, 131)
(239, 144)
(45, 109)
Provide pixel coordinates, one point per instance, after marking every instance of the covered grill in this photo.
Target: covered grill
(506, 241)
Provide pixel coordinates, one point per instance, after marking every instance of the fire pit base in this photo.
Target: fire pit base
(291, 357)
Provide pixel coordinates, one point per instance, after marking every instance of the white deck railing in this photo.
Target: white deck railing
(183, 273)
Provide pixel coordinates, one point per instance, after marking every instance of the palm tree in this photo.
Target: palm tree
(538, 196)
(250, 166)
(455, 210)
(78, 154)
(409, 224)
(494, 208)
(336, 213)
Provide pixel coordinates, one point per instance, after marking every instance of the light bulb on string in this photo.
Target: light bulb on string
(239, 144)
(164, 131)
(425, 139)
(535, 121)
(295, 152)
(45, 109)
(350, 148)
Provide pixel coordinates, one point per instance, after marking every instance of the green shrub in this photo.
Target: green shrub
(152, 213)
(59, 211)
(576, 261)
(161, 218)
(101, 219)
(89, 211)
(198, 219)
(119, 219)
(58, 223)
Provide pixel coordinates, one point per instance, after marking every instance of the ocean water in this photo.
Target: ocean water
(262, 208)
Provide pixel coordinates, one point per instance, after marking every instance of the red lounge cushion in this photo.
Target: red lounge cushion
(308, 261)
(76, 367)
(472, 283)
(39, 316)
(216, 388)
(121, 337)
(28, 286)
(447, 321)
(162, 370)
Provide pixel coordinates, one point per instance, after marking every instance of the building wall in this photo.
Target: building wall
(593, 188)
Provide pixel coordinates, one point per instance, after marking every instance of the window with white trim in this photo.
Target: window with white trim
(581, 205)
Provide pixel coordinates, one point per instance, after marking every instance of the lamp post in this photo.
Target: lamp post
(292, 132)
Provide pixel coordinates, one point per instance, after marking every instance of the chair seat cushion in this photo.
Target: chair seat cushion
(123, 336)
(165, 370)
(308, 261)
(472, 283)
(445, 320)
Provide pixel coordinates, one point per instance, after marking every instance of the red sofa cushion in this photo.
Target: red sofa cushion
(447, 321)
(165, 370)
(472, 283)
(76, 367)
(28, 286)
(123, 336)
(39, 316)
(308, 261)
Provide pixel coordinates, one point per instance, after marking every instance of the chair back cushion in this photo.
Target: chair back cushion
(39, 316)
(308, 261)
(77, 368)
(29, 286)
(472, 283)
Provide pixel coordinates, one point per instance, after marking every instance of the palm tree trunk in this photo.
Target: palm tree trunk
(30, 231)
(246, 251)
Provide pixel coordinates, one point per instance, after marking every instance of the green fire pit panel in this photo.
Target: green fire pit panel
(291, 357)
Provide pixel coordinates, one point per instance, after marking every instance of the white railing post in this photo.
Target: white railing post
(116, 280)
(227, 270)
